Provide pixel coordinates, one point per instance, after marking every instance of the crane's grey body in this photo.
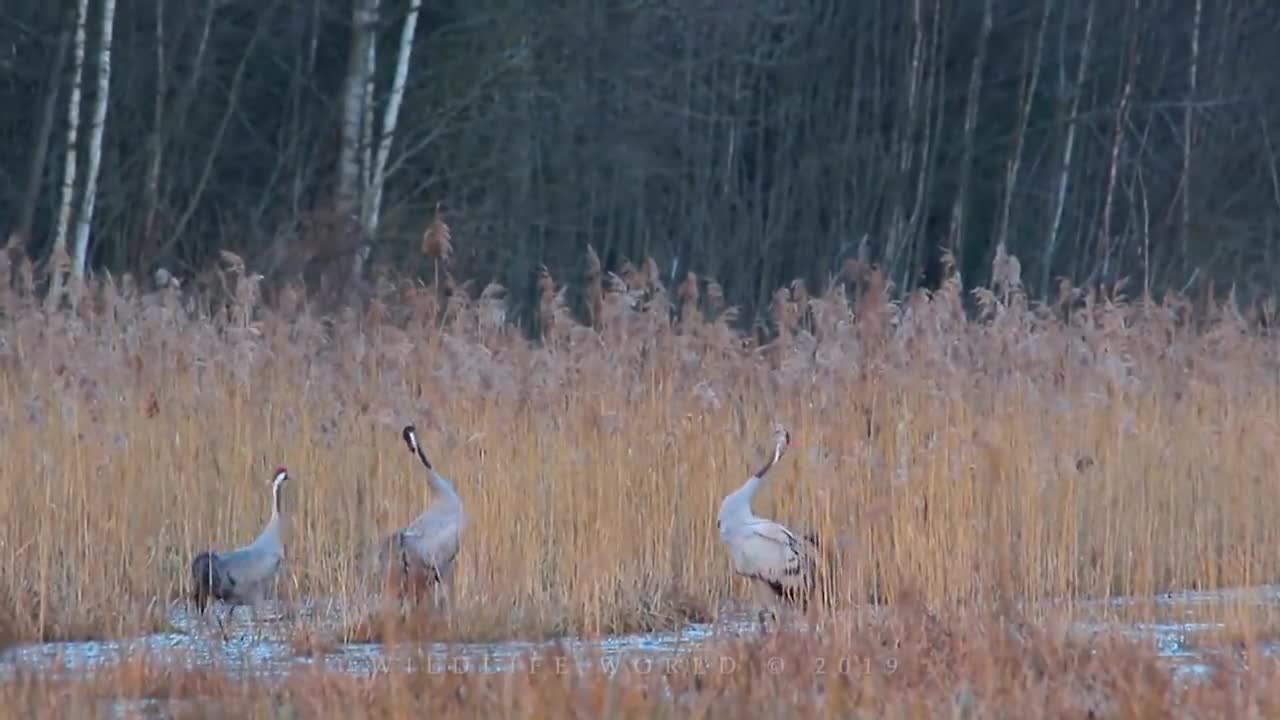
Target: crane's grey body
(781, 564)
(433, 539)
(424, 552)
(244, 575)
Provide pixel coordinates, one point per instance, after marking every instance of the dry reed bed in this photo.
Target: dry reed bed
(914, 666)
(964, 460)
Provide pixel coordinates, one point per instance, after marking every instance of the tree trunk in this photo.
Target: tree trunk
(389, 119)
(35, 172)
(367, 121)
(95, 140)
(1068, 152)
(906, 143)
(1020, 137)
(364, 18)
(956, 233)
(151, 196)
(73, 130)
(1187, 133)
(1106, 244)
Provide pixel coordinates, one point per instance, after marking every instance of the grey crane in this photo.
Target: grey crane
(242, 576)
(423, 552)
(781, 564)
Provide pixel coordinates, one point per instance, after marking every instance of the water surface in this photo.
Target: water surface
(1171, 621)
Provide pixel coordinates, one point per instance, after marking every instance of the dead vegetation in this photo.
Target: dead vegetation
(902, 663)
(1089, 448)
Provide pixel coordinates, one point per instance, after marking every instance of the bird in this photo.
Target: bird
(780, 563)
(424, 551)
(242, 576)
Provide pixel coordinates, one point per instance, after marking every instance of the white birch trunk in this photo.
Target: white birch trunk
(390, 117)
(1060, 199)
(356, 98)
(1028, 92)
(152, 199)
(955, 234)
(85, 220)
(367, 119)
(73, 132)
(363, 19)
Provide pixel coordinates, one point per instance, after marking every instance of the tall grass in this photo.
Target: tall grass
(1088, 449)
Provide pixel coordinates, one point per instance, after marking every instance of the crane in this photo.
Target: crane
(242, 576)
(781, 565)
(424, 551)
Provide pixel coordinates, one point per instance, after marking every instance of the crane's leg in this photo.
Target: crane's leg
(406, 584)
(436, 589)
(221, 625)
(451, 593)
(764, 598)
(441, 590)
(255, 604)
(448, 594)
(257, 628)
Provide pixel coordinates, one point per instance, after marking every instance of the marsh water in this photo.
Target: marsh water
(1169, 623)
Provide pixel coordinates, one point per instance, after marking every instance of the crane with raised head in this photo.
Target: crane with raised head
(781, 564)
(242, 576)
(422, 554)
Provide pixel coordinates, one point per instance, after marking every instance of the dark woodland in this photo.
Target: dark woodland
(754, 143)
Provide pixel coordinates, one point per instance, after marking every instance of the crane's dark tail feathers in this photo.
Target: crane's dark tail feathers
(202, 580)
(826, 570)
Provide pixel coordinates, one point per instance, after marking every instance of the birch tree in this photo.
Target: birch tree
(73, 132)
(956, 232)
(151, 192)
(1068, 149)
(1187, 135)
(364, 19)
(85, 219)
(356, 91)
(1031, 79)
(390, 117)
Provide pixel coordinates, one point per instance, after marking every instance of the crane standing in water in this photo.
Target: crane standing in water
(242, 576)
(423, 553)
(781, 564)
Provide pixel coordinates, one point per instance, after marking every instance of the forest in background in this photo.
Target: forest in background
(752, 144)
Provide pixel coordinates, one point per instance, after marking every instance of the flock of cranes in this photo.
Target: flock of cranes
(780, 564)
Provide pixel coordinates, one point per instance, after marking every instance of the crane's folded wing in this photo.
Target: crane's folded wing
(775, 553)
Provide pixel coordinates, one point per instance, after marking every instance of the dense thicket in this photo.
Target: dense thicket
(751, 143)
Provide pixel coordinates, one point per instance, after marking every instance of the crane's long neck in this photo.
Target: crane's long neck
(439, 484)
(275, 502)
(443, 488)
(737, 505)
(271, 533)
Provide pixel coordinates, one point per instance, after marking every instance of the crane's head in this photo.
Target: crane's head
(280, 477)
(781, 440)
(410, 435)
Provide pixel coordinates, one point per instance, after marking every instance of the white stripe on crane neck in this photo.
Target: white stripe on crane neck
(736, 507)
(276, 484)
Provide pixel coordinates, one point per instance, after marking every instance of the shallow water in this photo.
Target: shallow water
(196, 642)
(266, 650)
